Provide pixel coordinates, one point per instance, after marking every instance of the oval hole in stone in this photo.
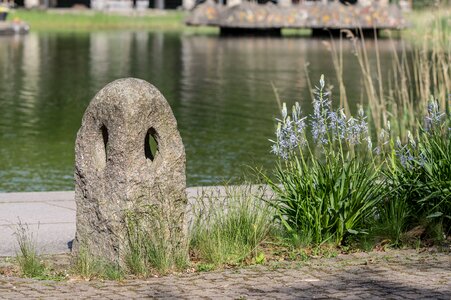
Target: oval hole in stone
(151, 144)
(105, 140)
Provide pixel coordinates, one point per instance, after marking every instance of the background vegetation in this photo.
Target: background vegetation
(92, 20)
(173, 20)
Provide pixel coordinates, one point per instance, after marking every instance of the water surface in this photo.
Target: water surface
(220, 90)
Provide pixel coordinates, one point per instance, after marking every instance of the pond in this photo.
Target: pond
(220, 89)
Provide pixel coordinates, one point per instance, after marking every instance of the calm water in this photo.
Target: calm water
(219, 89)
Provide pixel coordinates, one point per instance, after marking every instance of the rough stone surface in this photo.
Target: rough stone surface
(332, 15)
(115, 171)
(404, 274)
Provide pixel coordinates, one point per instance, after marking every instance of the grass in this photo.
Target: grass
(290, 32)
(400, 93)
(85, 20)
(172, 20)
(393, 221)
(84, 263)
(419, 69)
(154, 245)
(151, 242)
(229, 229)
(424, 21)
(88, 267)
(325, 202)
(29, 262)
(82, 21)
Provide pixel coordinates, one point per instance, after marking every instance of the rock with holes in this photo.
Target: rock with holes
(129, 157)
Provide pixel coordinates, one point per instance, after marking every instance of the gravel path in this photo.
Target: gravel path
(403, 274)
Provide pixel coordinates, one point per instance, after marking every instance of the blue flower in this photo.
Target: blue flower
(434, 116)
(321, 110)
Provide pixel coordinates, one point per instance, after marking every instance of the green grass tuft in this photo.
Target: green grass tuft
(29, 262)
(229, 229)
(151, 246)
(89, 267)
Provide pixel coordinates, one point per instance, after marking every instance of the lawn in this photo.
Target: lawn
(87, 20)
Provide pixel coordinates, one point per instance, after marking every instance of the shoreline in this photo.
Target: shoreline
(86, 20)
(73, 20)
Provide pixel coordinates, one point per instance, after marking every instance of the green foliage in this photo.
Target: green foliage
(419, 172)
(393, 220)
(29, 263)
(421, 4)
(85, 265)
(203, 267)
(325, 189)
(89, 20)
(88, 266)
(228, 230)
(86, 21)
(150, 244)
(260, 258)
(319, 202)
(332, 184)
(112, 271)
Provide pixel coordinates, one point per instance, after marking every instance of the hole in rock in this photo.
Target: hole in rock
(151, 144)
(105, 139)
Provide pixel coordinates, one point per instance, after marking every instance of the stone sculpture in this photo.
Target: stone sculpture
(116, 170)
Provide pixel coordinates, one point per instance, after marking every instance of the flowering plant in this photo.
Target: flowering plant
(324, 190)
(331, 183)
(418, 172)
(331, 131)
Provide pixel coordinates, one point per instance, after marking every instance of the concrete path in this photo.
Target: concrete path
(50, 218)
(401, 274)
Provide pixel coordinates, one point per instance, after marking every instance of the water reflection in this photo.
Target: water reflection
(31, 68)
(220, 91)
(110, 54)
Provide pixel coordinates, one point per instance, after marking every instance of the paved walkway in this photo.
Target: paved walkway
(50, 218)
(395, 275)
